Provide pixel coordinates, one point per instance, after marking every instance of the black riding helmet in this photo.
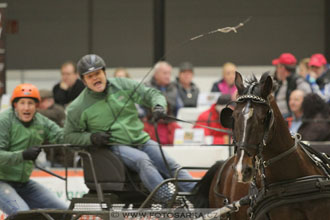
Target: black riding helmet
(90, 63)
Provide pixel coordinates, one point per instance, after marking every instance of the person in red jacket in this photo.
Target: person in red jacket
(165, 131)
(211, 117)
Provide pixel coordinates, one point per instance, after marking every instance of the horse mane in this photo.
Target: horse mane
(252, 80)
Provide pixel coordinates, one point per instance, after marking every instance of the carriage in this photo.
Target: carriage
(122, 190)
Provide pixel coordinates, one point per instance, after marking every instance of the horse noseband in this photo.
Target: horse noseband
(243, 146)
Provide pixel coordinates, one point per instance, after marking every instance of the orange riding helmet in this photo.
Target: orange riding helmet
(25, 90)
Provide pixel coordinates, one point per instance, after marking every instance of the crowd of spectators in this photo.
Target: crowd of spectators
(303, 96)
(297, 83)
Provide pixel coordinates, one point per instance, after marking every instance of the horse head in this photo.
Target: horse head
(251, 121)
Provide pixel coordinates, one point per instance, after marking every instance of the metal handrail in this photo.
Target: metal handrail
(79, 149)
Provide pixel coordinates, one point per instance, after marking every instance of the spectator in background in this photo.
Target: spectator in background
(165, 128)
(316, 115)
(295, 103)
(50, 109)
(161, 80)
(227, 84)
(121, 72)
(319, 76)
(211, 118)
(70, 85)
(55, 112)
(288, 81)
(187, 90)
(303, 68)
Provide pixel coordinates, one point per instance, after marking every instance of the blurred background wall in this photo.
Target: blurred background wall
(42, 34)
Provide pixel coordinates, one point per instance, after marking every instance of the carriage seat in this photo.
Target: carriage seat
(110, 171)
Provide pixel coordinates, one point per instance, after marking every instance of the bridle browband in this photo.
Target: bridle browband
(252, 97)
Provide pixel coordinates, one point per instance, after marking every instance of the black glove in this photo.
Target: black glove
(100, 139)
(158, 112)
(31, 153)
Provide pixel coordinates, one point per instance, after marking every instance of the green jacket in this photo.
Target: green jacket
(15, 138)
(94, 112)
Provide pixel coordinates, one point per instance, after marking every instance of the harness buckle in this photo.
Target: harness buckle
(326, 156)
(264, 142)
(251, 215)
(265, 163)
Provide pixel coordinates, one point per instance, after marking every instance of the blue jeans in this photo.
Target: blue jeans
(147, 161)
(16, 197)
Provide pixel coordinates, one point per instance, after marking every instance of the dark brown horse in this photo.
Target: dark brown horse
(280, 175)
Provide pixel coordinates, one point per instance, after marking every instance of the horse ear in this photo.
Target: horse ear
(267, 87)
(239, 83)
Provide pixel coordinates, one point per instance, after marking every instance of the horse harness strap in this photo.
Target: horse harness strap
(267, 163)
(215, 189)
(288, 192)
(320, 159)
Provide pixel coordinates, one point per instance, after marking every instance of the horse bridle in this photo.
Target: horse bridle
(268, 124)
(259, 164)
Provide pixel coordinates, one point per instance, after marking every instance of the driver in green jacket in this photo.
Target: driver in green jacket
(105, 115)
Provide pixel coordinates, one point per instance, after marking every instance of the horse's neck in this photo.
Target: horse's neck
(293, 165)
(280, 137)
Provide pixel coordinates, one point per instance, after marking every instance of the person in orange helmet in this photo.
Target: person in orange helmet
(22, 128)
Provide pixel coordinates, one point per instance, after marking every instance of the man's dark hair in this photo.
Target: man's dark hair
(314, 104)
(67, 63)
(291, 69)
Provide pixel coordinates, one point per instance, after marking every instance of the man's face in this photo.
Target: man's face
(163, 75)
(68, 75)
(318, 70)
(219, 108)
(296, 100)
(121, 74)
(95, 81)
(25, 109)
(281, 73)
(46, 103)
(229, 75)
(186, 77)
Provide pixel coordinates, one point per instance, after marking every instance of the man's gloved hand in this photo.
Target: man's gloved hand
(100, 139)
(158, 112)
(31, 153)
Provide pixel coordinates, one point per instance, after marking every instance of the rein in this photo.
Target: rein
(204, 126)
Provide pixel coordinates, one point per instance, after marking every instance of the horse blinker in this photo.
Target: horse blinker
(226, 118)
